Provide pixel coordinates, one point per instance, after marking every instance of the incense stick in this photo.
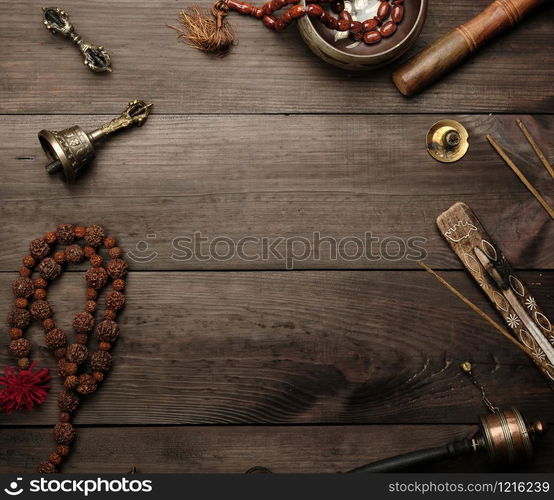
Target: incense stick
(521, 177)
(536, 148)
(480, 312)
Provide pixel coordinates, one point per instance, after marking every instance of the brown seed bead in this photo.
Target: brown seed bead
(109, 314)
(20, 348)
(116, 252)
(65, 234)
(76, 353)
(107, 331)
(49, 269)
(16, 333)
(68, 401)
(38, 248)
(96, 277)
(70, 368)
(60, 353)
(116, 268)
(101, 361)
(314, 10)
(61, 366)
(50, 237)
(59, 257)
(29, 262)
(105, 346)
(21, 303)
(91, 294)
(55, 459)
(19, 318)
(71, 382)
(81, 338)
(94, 235)
(63, 450)
(48, 324)
(372, 37)
(41, 283)
(388, 29)
(384, 10)
(87, 384)
(24, 272)
(115, 300)
(98, 376)
(65, 416)
(74, 254)
(91, 306)
(79, 231)
(23, 287)
(83, 322)
(110, 242)
(64, 433)
(47, 468)
(88, 251)
(40, 293)
(96, 260)
(40, 309)
(23, 363)
(118, 285)
(55, 339)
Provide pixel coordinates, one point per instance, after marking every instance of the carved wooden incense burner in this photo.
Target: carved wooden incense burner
(527, 322)
(71, 150)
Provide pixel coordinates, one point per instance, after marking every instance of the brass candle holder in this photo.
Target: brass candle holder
(71, 150)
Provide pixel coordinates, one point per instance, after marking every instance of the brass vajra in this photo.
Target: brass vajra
(57, 21)
(70, 150)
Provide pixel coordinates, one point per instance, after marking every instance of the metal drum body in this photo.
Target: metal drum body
(506, 436)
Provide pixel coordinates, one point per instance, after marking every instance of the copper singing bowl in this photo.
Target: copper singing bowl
(340, 50)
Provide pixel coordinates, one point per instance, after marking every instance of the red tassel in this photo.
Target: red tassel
(23, 389)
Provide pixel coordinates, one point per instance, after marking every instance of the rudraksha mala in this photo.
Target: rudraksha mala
(80, 369)
(216, 36)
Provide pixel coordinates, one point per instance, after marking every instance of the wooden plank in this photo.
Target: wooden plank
(300, 347)
(224, 449)
(280, 177)
(266, 73)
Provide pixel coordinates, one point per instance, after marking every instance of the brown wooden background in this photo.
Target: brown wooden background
(226, 365)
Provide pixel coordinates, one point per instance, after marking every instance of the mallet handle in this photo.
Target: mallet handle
(447, 52)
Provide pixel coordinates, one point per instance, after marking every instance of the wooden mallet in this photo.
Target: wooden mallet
(453, 48)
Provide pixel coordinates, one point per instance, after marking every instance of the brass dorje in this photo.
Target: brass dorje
(95, 57)
(447, 141)
(70, 150)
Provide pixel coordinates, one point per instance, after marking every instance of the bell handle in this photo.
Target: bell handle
(135, 114)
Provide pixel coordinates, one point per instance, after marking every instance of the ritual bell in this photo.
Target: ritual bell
(71, 150)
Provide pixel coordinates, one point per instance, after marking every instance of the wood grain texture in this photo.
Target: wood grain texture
(299, 347)
(280, 176)
(266, 73)
(216, 449)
